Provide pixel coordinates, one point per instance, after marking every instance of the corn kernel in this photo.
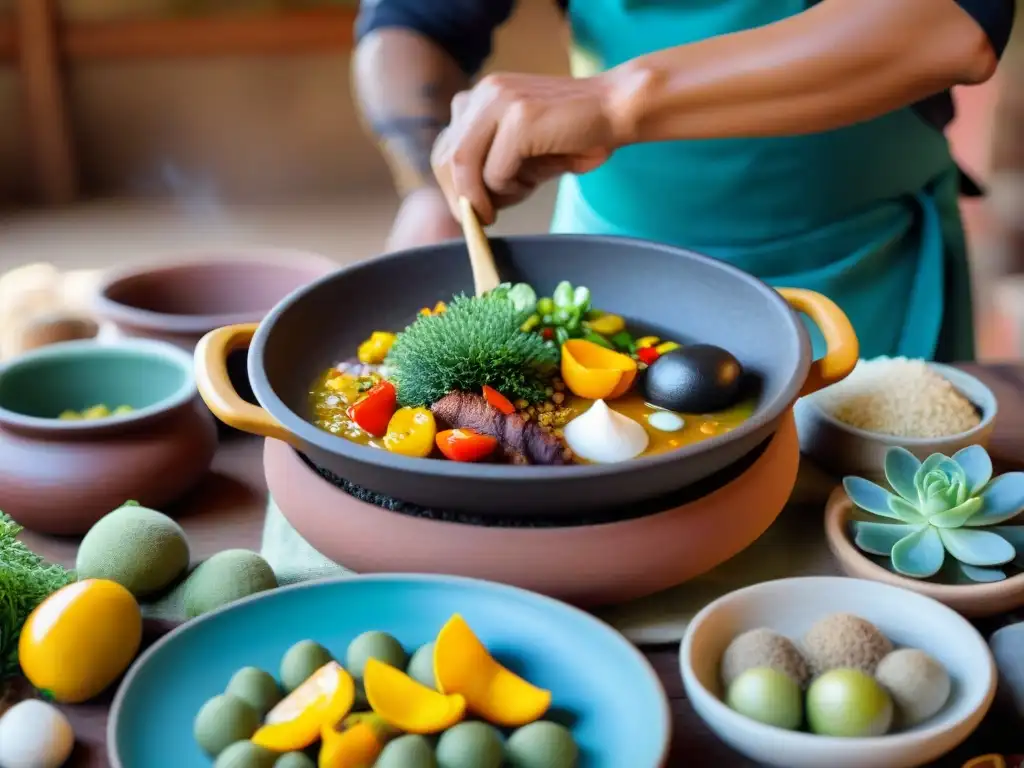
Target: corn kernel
(667, 347)
(646, 341)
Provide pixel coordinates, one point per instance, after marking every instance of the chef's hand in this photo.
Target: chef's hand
(422, 219)
(510, 133)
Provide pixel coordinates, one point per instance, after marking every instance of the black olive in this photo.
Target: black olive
(700, 378)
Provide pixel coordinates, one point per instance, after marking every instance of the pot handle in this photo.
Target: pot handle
(841, 346)
(216, 389)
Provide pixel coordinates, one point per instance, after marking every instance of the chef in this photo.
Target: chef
(799, 140)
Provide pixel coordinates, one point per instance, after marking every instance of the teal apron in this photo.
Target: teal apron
(866, 215)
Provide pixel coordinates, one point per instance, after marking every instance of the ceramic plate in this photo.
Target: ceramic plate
(602, 686)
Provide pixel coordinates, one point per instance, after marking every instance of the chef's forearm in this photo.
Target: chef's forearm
(841, 62)
(404, 84)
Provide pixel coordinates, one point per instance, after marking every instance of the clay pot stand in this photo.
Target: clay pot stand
(588, 565)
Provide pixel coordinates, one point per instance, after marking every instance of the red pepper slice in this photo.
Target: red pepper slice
(547, 334)
(647, 355)
(465, 444)
(497, 400)
(373, 412)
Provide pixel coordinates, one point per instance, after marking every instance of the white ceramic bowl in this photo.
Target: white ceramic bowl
(844, 450)
(790, 607)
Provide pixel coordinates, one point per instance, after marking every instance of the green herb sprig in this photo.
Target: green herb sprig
(25, 581)
(477, 341)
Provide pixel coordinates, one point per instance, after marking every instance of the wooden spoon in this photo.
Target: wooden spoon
(485, 274)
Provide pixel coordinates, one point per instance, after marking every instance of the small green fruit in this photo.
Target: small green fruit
(255, 687)
(848, 702)
(301, 661)
(141, 549)
(541, 745)
(224, 578)
(295, 760)
(222, 721)
(407, 752)
(421, 666)
(374, 645)
(470, 745)
(245, 754)
(768, 696)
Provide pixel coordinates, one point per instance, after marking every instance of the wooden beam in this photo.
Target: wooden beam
(291, 32)
(49, 134)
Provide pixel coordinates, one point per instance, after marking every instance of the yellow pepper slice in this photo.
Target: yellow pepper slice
(608, 325)
(595, 372)
(354, 747)
(667, 347)
(463, 665)
(376, 348)
(407, 705)
(439, 309)
(411, 432)
(297, 721)
(647, 341)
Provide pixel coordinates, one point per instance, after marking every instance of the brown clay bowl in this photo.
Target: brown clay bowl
(588, 565)
(180, 299)
(970, 600)
(60, 477)
(673, 293)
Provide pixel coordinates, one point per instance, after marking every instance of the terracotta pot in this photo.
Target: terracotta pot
(585, 565)
(971, 600)
(693, 298)
(60, 477)
(182, 298)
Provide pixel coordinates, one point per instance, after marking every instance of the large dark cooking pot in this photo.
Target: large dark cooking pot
(687, 297)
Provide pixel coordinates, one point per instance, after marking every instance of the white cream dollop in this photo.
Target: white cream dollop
(34, 734)
(605, 436)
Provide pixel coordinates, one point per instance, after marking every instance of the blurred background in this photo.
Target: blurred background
(135, 129)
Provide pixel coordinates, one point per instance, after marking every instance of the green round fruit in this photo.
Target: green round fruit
(224, 578)
(407, 752)
(768, 696)
(470, 745)
(222, 721)
(374, 645)
(421, 666)
(301, 661)
(848, 702)
(541, 745)
(257, 688)
(141, 549)
(245, 754)
(295, 760)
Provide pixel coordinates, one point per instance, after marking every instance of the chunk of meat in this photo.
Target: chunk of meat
(521, 441)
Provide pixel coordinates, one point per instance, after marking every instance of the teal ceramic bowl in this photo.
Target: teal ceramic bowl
(60, 476)
(603, 688)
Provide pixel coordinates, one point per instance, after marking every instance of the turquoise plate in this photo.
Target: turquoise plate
(602, 686)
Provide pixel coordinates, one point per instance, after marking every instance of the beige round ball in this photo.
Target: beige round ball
(845, 641)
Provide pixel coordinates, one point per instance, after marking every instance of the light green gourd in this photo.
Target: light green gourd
(257, 688)
(245, 754)
(541, 745)
(295, 760)
(300, 662)
(222, 721)
(470, 745)
(141, 549)
(224, 578)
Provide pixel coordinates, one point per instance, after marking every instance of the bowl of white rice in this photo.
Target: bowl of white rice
(924, 407)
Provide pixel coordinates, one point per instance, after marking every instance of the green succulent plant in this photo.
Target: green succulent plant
(940, 506)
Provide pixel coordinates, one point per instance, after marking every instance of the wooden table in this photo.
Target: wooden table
(228, 512)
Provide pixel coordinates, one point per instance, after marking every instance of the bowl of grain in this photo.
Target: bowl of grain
(921, 406)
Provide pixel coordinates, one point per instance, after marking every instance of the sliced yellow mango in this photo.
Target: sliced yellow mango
(463, 665)
(407, 705)
(296, 722)
(355, 747)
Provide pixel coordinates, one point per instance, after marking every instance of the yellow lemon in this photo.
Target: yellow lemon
(80, 639)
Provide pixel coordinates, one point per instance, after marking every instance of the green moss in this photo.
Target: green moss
(25, 581)
(476, 342)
